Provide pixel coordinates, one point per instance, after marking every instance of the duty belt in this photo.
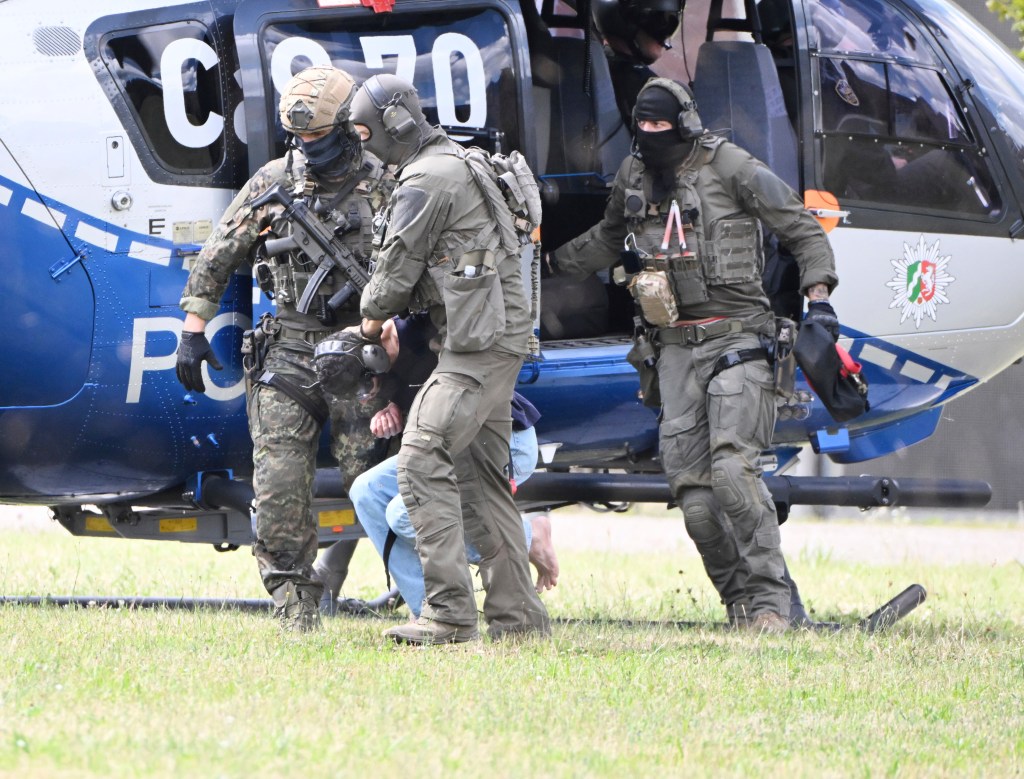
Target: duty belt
(685, 335)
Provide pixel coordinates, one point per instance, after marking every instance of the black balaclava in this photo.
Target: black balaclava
(662, 152)
(333, 155)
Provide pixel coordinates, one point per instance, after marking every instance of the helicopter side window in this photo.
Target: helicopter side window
(892, 134)
(168, 76)
(996, 75)
(461, 63)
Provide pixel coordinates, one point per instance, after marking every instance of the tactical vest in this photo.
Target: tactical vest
(683, 244)
(284, 278)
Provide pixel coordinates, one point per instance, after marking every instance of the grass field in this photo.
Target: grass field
(96, 692)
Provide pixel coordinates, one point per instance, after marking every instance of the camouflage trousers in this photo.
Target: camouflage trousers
(712, 431)
(285, 443)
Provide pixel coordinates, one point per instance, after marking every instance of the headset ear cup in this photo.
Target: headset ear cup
(397, 120)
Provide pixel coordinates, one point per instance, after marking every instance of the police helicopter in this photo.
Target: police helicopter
(126, 127)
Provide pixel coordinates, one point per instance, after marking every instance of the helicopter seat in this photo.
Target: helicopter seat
(738, 92)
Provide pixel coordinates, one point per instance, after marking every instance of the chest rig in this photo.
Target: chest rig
(685, 245)
(348, 213)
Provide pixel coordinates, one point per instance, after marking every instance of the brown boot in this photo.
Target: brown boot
(768, 622)
(297, 608)
(430, 631)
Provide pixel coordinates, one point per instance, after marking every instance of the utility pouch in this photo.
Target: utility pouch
(640, 358)
(254, 352)
(784, 361)
(653, 291)
(473, 302)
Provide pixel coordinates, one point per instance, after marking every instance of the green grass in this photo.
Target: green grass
(96, 692)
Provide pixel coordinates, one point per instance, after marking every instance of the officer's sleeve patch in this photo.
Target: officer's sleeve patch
(408, 205)
(772, 191)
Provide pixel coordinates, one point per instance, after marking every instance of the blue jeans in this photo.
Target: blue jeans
(379, 508)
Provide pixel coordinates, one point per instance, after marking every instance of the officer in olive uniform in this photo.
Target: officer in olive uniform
(344, 186)
(689, 208)
(448, 247)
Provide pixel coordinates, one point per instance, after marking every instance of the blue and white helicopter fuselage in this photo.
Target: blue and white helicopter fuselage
(127, 126)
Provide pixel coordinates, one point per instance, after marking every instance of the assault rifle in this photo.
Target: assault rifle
(313, 238)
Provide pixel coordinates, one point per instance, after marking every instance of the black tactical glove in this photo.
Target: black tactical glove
(821, 311)
(193, 349)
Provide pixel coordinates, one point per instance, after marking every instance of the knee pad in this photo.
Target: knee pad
(700, 514)
(736, 485)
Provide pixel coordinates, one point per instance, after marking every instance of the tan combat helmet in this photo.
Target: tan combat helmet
(316, 99)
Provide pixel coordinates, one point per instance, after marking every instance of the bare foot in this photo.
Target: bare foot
(542, 553)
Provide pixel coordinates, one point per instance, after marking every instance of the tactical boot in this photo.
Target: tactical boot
(768, 622)
(297, 608)
(430, 631)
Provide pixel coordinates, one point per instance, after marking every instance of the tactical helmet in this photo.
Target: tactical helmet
(688, 120)
(344, 359)
(776, 20)
(625, 19)
(390, 109)
(315, 99)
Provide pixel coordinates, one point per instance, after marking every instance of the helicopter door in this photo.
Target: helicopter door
(467, 59)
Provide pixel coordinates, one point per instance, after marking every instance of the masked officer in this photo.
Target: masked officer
(448, 247)
(327, 168)
(689, 207)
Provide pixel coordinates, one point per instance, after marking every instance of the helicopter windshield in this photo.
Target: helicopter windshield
(891, 129)
(998, 75)
(866, 26)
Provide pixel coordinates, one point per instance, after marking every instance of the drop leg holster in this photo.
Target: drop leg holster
(255, 344)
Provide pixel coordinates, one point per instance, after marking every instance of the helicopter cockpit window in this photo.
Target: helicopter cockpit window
(996, 73)
(892, 134)
(865, 26)
(462, 66)
(168, 75)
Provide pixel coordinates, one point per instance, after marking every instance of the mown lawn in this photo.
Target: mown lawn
(99, 692)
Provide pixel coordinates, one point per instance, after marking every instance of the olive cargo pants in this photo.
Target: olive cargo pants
(712, 430)
(452, 475)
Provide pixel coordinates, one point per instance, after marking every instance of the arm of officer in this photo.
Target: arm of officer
(774, 202)
(412, 234)
(227, 248)
(598, 247)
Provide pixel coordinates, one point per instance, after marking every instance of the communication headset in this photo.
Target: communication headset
(395, 117)
(688, 121)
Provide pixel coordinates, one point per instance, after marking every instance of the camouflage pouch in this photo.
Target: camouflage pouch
(653, 291)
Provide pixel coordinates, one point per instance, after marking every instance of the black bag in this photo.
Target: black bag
(831, 372)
